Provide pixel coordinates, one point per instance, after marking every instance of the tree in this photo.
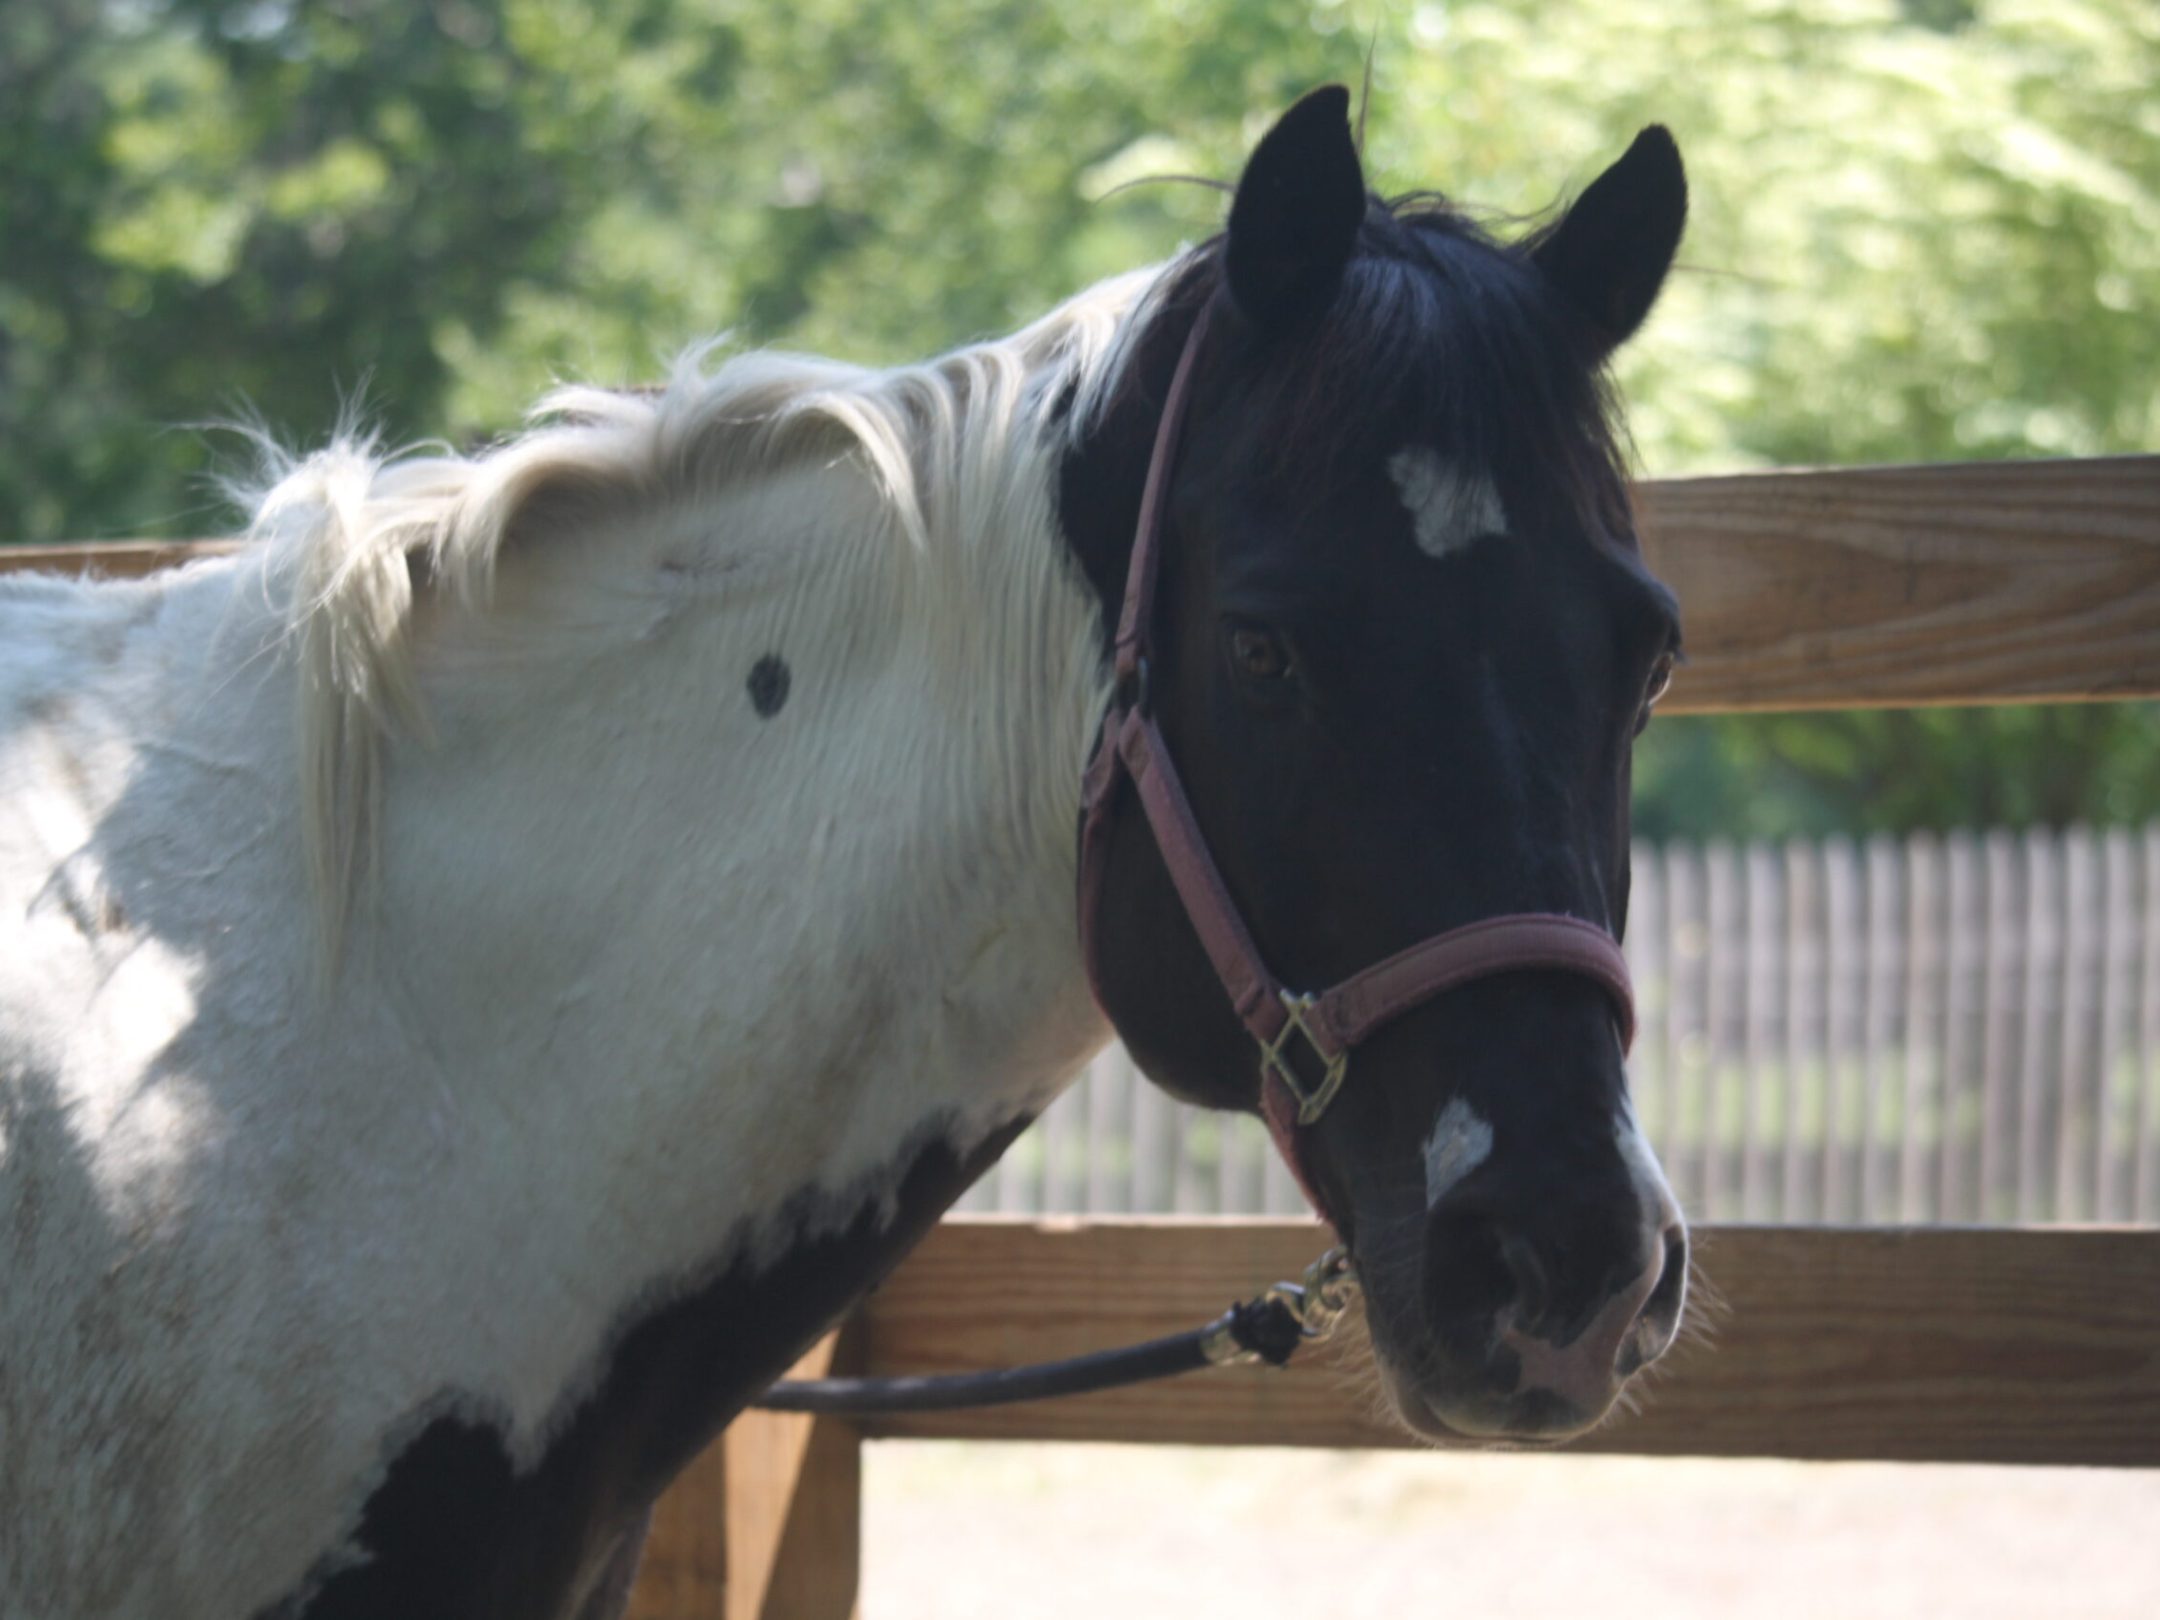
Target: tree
(1928, 231)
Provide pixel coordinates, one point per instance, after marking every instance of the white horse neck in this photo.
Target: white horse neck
(721, 858)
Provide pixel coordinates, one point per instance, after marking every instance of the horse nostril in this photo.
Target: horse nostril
(1533, 1286)
(1658, 1322)
(1663, 1305)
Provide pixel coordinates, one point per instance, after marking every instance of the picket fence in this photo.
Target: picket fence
(1939, 1028)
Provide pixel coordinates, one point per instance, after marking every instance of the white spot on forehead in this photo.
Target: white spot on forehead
(1451, 507)
(1460, 1142)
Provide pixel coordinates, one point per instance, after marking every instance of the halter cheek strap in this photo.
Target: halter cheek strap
(1310, 1033)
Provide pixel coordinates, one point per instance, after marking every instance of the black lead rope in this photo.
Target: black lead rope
(1269, 1328)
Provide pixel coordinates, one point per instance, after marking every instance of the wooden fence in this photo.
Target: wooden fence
(1986, 583)
(1939, 1028)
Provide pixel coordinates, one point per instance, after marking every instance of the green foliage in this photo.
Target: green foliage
(1921, 230)
(1773, 776)
(1909, 243)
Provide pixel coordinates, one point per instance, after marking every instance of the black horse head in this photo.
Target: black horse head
(1403, 642)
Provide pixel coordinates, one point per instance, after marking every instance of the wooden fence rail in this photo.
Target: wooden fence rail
(1826, 1343)
(1835, 589)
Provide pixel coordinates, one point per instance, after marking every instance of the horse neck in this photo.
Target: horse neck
(627, 909)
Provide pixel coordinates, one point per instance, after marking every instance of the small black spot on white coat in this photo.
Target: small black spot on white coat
(769, 685)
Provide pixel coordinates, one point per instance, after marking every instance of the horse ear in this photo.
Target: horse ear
(1610, 251)
(1296, 214)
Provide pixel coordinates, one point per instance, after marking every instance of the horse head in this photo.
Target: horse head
(1399, 643)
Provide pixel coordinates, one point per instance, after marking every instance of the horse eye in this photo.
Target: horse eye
(1259, 655)
(1660, 681)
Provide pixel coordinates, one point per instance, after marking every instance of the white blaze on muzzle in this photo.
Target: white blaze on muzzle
(1460, 1142)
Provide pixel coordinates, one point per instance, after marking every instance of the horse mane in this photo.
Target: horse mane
(360, 535)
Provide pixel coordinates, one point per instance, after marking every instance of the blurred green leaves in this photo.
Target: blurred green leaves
(1921, 230)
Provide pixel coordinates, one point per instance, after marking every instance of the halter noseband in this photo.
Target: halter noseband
(1329, 1024)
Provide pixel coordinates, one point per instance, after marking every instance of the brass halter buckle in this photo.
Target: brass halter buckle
(1313, 1103)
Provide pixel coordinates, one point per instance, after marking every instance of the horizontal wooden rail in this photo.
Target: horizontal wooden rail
(1982, 582)
(2009, 1345)
(110, 559)
(1959, 583)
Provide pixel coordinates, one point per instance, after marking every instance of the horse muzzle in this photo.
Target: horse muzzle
(1532, 1322)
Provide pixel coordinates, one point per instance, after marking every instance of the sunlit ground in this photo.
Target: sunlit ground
(980, 1532)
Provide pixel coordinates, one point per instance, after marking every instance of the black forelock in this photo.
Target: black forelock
(1441, 333)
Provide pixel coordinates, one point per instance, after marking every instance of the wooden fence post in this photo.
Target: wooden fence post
(766, 1525)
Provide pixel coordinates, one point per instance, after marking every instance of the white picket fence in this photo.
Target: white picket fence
(1936, 1028)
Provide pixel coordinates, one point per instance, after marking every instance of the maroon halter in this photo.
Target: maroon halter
(1334, 1021)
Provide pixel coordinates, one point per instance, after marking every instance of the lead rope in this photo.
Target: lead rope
(1270, 1327)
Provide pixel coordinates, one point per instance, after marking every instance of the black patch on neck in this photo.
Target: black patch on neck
(453, 1534)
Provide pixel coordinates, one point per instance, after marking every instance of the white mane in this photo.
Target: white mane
(948, 443)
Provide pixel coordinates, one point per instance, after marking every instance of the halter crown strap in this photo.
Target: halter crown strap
(1328, 1025)
(1138, 612)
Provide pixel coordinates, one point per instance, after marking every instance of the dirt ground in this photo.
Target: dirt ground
(980, 1532)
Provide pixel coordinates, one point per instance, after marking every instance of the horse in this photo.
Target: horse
(494, 967)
